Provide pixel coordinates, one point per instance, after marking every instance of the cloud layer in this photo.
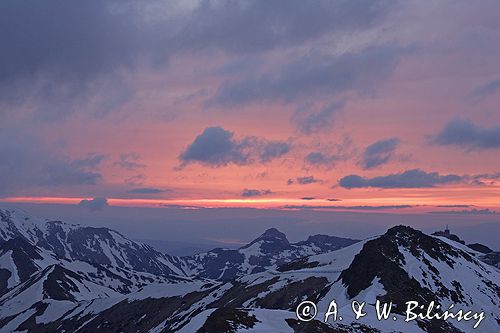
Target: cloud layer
(315, 75)
(146, 190)
(61, 54)
(415, 178)
(384, 207)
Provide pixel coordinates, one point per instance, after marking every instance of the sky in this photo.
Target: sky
(355, 106)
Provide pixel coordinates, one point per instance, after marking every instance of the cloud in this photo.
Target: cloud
(486, 89)
(348, 207)
(303, 180)
(273, 150)
(465, 134)
(26, 164)
(379, 153)
(485, 178)
(307, 198)
(247, 193)
(473, 211)
(317, 157)
(415, 178)
(217, 147)
(453, 206)
(130, 161)
(314, 75)
(306, 180)
(146, 190)
(314, 122)
(94, 204)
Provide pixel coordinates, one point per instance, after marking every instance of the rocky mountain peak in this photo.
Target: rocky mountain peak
(273, 233)
(401, 230)
(271, 240)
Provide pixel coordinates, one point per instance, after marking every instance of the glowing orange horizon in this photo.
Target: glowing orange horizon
(415, 204)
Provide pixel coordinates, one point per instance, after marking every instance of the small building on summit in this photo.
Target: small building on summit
(446, 233)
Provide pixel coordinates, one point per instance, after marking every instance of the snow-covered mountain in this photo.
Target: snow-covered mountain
(45, 291)
(268, 251)
(48, 266)
(94, 245)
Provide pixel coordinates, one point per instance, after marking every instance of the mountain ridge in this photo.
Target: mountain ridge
(73, 290)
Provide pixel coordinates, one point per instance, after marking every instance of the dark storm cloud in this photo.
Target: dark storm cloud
(76, 39)
(465, 134)
(314, 75)
(58, 53)
(146, 190)
(251, 26)
(415, 178)
(487, 89)
(217, 147)
(54, 52)
(313, 122)
(94, 204)
(26, 164)
(379, 153)
(247, 193)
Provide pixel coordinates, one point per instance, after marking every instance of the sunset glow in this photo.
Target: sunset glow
(376, 110)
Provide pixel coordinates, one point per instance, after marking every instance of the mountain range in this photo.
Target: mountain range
(59, 277)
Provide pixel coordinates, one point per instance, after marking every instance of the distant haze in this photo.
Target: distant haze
(234, 227)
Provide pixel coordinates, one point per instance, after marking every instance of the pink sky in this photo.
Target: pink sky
(425, 75)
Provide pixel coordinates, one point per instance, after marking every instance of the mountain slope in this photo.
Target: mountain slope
(94, 245)
(268, 251)
(402, 265)
(52, 286)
